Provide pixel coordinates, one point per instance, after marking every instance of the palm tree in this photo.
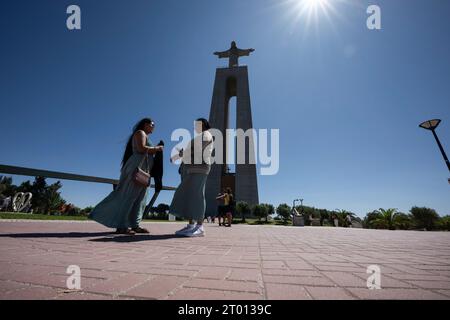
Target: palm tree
(388, 219)
(342, 215)
(424, 218)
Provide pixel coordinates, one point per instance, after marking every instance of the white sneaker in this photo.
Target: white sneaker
(186, 229)
(198, 231)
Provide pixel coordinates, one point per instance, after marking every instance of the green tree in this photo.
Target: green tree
(424, 218)
(72, 210)
(260, 211)
(270, 210)
(39, 201)
(7, 188)
(53, 200)
(369, 218)
(86, 211)
(444, 223)
(284, 211)
(342, 216)
(162, 210)
(243, 208)
(403, 221)
(323, 215)
(46, 198)
(388, 219)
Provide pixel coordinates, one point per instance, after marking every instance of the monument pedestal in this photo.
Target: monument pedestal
(232, 82)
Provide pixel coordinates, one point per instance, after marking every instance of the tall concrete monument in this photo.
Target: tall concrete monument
(232, 82)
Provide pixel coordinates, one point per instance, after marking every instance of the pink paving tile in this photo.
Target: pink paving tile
(7, 286)
(397, 294)
(160, 270)
(218, 273)
(223, 285)
(245, 275)
(444, 292)
(322, 261)
(59, 281)
(119, 285)
(329, 293)
(346, 279)
(339, 268)
(204, 294)
(270, 264)
(277, 291)
(81, 296)
(431, 284)
(405, 277)
(310, 281)
(157, 288)
(31, 293)
(284, 272)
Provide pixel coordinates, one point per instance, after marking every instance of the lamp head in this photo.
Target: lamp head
(430, 124)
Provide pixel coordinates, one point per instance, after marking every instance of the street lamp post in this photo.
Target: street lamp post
(432, 125)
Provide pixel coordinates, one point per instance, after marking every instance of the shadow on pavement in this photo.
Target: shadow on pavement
(56, 235)
(137, 238)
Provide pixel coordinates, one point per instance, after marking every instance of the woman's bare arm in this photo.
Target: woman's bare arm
(141, 144)
(179, 155)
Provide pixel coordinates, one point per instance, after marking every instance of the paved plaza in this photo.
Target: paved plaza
(241, 262)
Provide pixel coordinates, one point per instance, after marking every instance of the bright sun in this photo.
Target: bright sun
(309, 11)
(312, 6)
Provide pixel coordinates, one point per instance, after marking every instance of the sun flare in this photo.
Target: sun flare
(312, 7)
(314, 4)
(310, 12)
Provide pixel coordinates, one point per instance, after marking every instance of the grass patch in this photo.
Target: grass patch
(35, 216)
(29, 216)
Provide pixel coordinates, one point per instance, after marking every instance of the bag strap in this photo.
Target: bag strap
(144, 158)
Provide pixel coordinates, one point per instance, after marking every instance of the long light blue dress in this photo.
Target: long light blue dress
(124, 207)
(189, 199)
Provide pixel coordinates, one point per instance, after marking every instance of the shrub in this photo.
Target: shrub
(424, 218)
(444, 223)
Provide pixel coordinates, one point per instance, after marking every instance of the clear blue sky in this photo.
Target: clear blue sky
(347, 100)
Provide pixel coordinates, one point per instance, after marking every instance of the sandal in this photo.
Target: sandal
(125, 231)
(140, 230)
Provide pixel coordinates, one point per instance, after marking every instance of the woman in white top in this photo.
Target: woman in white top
(189, 199)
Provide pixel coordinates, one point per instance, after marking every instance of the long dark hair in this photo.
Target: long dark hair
(205, 124)
(129, 148)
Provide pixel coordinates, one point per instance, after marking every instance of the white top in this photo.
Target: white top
(202, 144)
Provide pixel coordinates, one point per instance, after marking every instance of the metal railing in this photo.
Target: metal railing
(21, 171)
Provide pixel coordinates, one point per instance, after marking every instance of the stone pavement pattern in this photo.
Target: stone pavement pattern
(242, 262)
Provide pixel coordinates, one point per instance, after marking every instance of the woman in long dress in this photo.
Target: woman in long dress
(189, 199)
(123, 208)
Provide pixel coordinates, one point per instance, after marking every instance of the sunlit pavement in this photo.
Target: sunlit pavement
(241, 262)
